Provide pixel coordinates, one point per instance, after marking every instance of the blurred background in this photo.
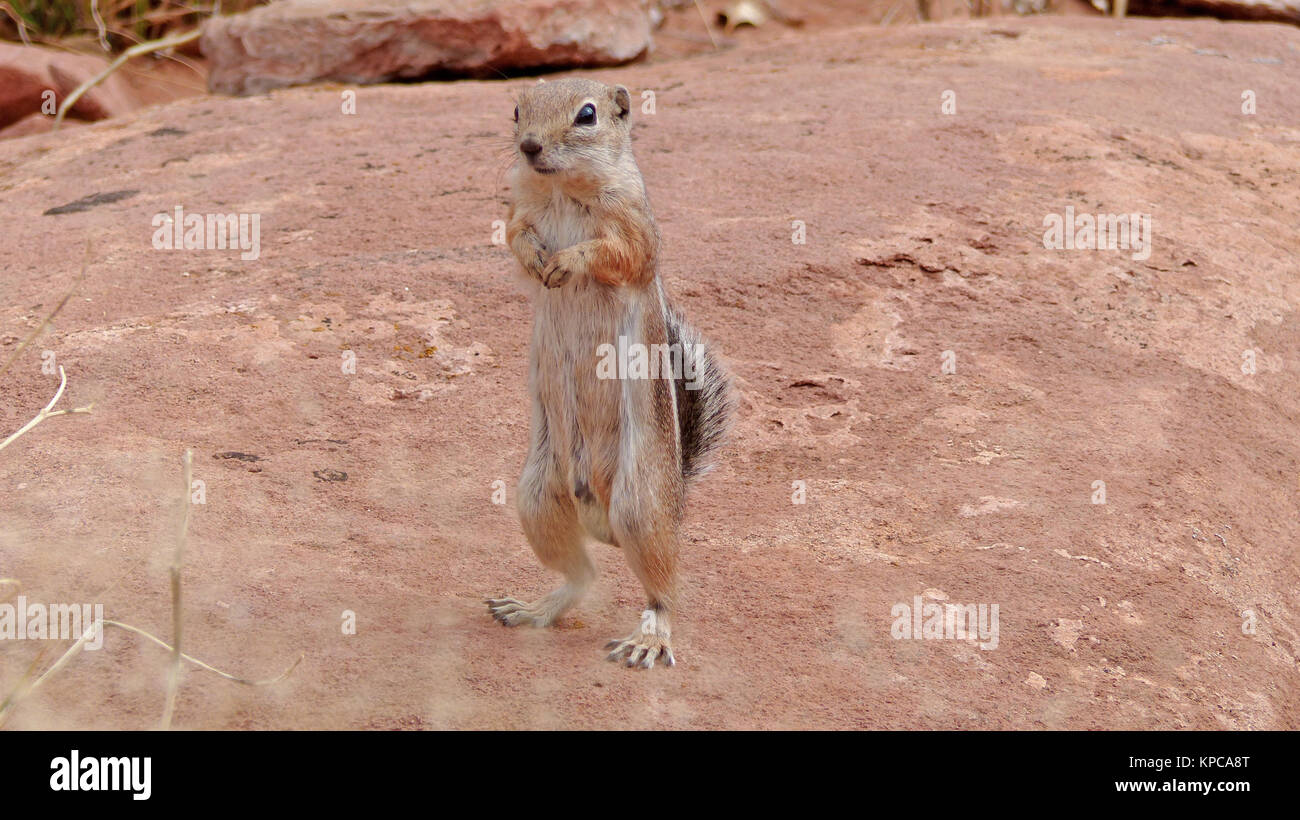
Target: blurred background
(243, 46)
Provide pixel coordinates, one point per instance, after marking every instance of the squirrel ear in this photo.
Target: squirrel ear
(623, 100)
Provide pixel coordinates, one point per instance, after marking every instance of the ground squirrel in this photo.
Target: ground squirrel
(628, 403)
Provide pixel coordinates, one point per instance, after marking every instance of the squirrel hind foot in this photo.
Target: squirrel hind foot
(649, 643)
(541, 613)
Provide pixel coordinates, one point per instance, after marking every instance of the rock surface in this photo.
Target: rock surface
(924, 235)
(27, 72)
(370, 41)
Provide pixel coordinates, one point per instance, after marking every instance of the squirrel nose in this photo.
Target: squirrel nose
(530, 146)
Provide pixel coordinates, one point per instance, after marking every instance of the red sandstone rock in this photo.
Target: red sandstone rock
(369, 41)
(27, 72)
(1284, 11)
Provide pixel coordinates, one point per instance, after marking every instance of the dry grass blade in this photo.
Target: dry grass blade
(707, 29)
(48, 412)
(178, 560)
(134, 51)
(19, 23)
(99, 25)
(200, 664)
(49, 21)
(49, 317)
(23, 690)
(19, 694)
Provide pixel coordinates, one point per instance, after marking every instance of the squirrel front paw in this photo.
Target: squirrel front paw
(536, 266)
(531, 252)
(561, 268)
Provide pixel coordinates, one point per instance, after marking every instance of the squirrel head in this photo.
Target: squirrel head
(572, 127)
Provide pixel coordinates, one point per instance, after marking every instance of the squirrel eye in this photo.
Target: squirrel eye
(586, 115)
(516, 113)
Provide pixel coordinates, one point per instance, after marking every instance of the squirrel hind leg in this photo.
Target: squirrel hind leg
(649, 541)
(551, 525)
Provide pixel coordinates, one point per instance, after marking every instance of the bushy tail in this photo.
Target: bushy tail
(705, 402)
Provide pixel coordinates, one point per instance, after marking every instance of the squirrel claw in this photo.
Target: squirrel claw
(510, 611)
(643, 647)
(635, 654)
(554, 276)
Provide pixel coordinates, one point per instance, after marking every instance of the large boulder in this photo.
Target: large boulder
(27, 72)
(1282, 11)
(369, 41)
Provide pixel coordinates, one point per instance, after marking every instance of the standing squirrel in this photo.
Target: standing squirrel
(612, 446)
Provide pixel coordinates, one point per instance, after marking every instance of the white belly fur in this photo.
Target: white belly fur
(570, 325)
